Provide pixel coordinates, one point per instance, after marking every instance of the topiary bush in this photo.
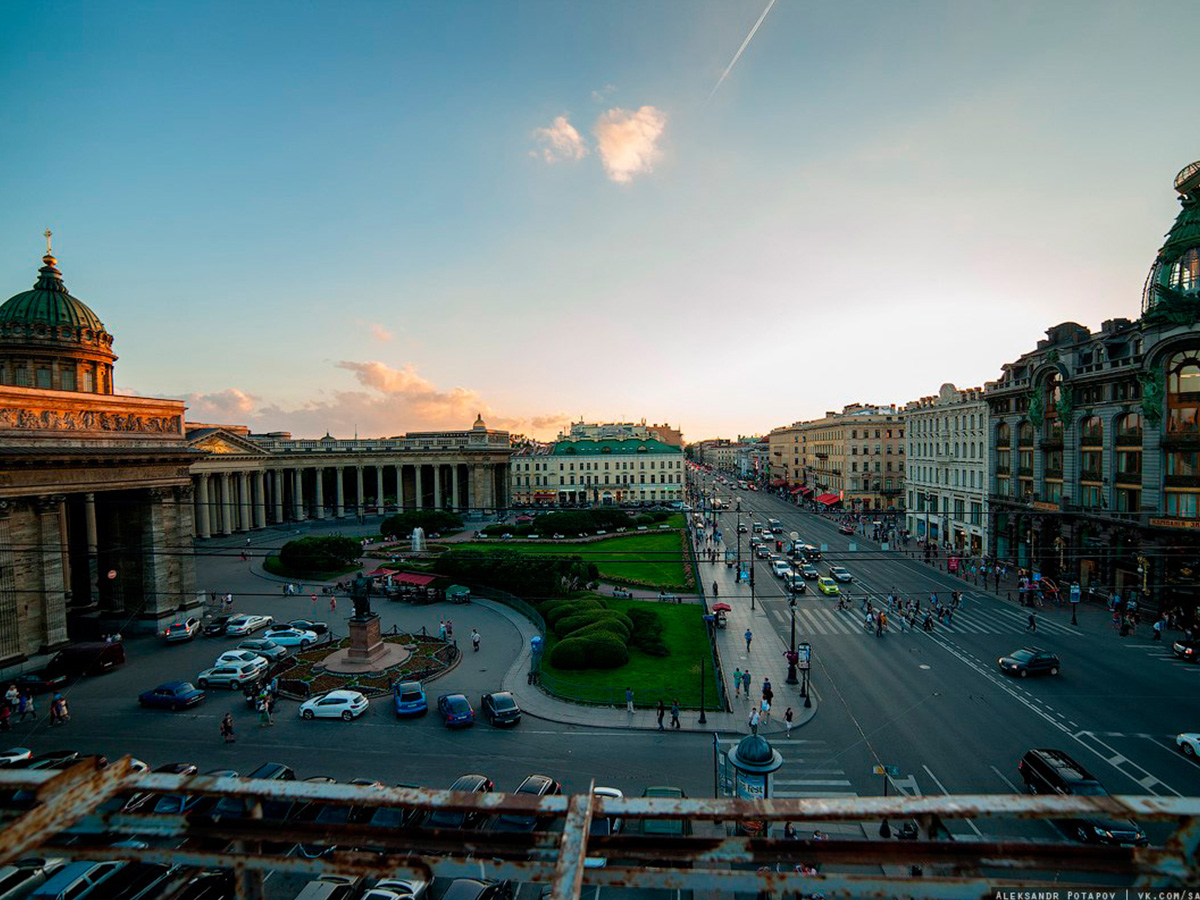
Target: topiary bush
(647, 632)
(603, 626)
(571, 608)
(326, 553)
(567, 624)
(596, 651)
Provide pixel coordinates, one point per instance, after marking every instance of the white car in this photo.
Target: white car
(394, 889)
(345, 705)
(231, 675)
(1189, 743)
(780, 568)
(238, 656)
(291, 637)
(182, 631)
(14, 755)
(837, 573)
(247, 624)
(604, 825)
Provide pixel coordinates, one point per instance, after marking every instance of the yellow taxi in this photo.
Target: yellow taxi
(828, 586)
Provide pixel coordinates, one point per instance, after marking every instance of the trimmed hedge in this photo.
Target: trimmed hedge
(620, 623)
(572, 608)
(596, 651)
(325, 553)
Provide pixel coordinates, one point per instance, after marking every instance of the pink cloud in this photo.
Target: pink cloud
(627, 141)
(560, 142)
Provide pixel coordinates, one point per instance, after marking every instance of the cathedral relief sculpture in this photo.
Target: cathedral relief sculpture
(87, 420)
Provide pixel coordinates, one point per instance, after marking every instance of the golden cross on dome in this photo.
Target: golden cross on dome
(47, 236)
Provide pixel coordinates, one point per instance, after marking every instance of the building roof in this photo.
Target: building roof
(49, 303)
(629, 445)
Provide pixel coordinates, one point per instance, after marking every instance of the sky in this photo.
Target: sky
(381, 217)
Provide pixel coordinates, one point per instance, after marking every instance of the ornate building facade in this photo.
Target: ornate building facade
(95, 490)
(580, 471)
(1095, 439)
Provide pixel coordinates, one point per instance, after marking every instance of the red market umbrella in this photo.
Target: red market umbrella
(722, 607)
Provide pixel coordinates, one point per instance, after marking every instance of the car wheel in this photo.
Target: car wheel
(1024, 673)
(174, 707)
(202, 683)
(303, 644)
(1188, 750)
(1054, 670)
(233, 685)
(308, 714)
(347, 715)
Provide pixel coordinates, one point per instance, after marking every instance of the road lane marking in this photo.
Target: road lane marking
(969, 823)
(812, 782)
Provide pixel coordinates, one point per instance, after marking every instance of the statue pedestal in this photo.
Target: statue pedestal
(366, 647)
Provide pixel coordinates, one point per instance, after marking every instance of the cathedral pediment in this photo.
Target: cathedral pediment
(219, 442)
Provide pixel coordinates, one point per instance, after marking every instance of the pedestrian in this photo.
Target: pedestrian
(661, 712)
(333, 603)
(475, 639)
(765, 709)
(1158, 629)
(754, 719)
(264, 712)
(737, 681)
(60, 707)
(442, 629)
(450, 629)
(675, 713)
(1032, 626)
(227, 728)
(787, 721)
(12, 695)
(767, 691)
(25, 707)
(746, 683)
(629, 700)
(749, 637)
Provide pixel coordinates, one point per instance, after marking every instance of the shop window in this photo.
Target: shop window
(1089, 496)
(1183, 394)
(1182, 504)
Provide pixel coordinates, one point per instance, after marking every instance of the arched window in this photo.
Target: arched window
(1129, 429)
(1183, 394)
(1185, 272)
(1091, 456)
(1091, 432)
(1025, 434)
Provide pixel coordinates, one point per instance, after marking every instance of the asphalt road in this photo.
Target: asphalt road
(935, 705)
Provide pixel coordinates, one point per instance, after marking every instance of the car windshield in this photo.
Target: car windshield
(457, 705)
(1089, 789)
(601, 827)
(1022, 655)
(410, 695)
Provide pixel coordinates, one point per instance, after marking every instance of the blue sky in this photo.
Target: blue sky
(389, 216)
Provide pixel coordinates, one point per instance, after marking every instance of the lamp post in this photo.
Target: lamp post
(805, 660)
(792, 657)
(703, 720)
(739, 537)
(1144, 571)
(1060, 545)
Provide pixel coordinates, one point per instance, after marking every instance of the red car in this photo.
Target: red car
(846, 528)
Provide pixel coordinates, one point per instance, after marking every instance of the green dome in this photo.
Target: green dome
(49, 304)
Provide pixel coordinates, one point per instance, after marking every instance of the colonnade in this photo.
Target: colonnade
(231, 499)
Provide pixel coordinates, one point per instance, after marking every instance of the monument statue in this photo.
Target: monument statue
(360, 593)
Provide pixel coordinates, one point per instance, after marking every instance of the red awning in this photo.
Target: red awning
(381, 571)
(797, 489)
(828, 499)
(779, 482)
(806, 491)
(413, 578)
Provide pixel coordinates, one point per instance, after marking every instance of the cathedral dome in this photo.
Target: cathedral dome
(1173, 285)
(53, 341)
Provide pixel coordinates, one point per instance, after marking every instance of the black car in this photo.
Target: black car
(539, 786)
(40, 681)
(191, 804)
(500, 708)
(1049, 771)
(1187, 650)
(1029, 661)
(472, 889)
(475, 784)
(216, 626)
(309, 625)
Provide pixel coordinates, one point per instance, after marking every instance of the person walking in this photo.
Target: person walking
(746, 683)
(12, 696)
(264, 712)
(737, 682)
(749, 635)
(629, 700)
(1032, 626)
(768, 692)
(227, 728)
(787, 722)
(25, 707)
(475, 639)
(442, 629)
(333, 603)
(675, 713)
(765, 709)
(661, 711)
(1159, 625)
(60, 710)
(754, 719)
(450, 629)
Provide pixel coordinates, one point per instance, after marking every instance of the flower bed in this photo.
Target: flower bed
(305, 676)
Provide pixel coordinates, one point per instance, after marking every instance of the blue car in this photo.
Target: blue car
(456, 710)
(410, 698)
(172, 695)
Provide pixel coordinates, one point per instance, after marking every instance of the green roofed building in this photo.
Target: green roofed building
(598, 471)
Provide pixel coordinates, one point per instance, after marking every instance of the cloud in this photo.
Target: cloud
(391, 401)
(560, 142)
(627, 141)
(602, 95)
(380, 333)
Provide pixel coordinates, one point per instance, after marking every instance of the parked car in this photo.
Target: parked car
(24, 876)
(828, 586)
(1047, 771)
(670, 827)
(456, 710)
(409, 698)
(172, 695)
(331, 887)
(268, 650)
(40, 681)
(94, 658)
(290, 637)
(603, 826)
(1188, 743)
(317, 628)
(14, 756)
(1187, 650)
(1029, 661)
(182, 631)
(538, 786)
(839, 573)
(445, 818)
(216, 626)
(189, 804)
(500, 708)
(247, 624)
(231, 675)
(239, 656)
(473, 889)
(344, 705)
(396, 889)
(75, 880)
(273, 809)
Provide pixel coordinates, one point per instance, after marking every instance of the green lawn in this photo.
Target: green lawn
(273, 565)
(652, 558)
(651, 677)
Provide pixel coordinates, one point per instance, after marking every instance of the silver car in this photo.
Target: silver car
(231, 675)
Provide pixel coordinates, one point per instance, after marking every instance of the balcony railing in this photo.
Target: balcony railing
(1132, 478)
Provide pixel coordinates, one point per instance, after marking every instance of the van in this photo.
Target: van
(774, 523)
(87, 659)
(330, 887)
(1048, 771)
(76, 880)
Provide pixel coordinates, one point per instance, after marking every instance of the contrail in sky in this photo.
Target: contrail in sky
(741, 50)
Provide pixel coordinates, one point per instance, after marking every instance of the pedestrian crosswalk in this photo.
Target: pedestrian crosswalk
(1162, 651)
(817, 616)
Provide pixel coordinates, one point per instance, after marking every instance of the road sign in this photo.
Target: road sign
(795, 536)
(894, 771)
(1074, 593)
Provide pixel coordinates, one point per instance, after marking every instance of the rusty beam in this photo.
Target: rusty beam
(65, 796)
(572, 849)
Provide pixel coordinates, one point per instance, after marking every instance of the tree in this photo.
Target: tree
(326, 553)
(401, 525)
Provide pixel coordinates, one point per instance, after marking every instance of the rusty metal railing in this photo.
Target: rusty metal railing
(67, 803)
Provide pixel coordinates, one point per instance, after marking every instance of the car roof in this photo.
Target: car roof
(342, 695)
(410, 686)
(457, 695)
(495, 695)
(468, 782)
(663, 791)
(535, 784)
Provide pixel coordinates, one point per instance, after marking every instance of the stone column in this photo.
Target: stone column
(340, 474)
(454, 487)
(226, 505)
(64, 549)
(202, 529)
(93, 544)
(52, 587)
(244, 489)
(358, 483)
(184, 566)
(400, 488)
(437, 486)
(417, 483)
(379, 488)
(260, 500)
(277, 483)
(320, 473)
(301, 509)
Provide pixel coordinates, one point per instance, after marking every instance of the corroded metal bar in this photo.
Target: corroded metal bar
(568, 871)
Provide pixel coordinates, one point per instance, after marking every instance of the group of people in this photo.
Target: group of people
(20, 704)
(760, 711)
(909, 613)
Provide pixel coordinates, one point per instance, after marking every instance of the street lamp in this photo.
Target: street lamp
(1144, 571)
(1060, 545)
(739, 537)
(805, 659)
(792, 656)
